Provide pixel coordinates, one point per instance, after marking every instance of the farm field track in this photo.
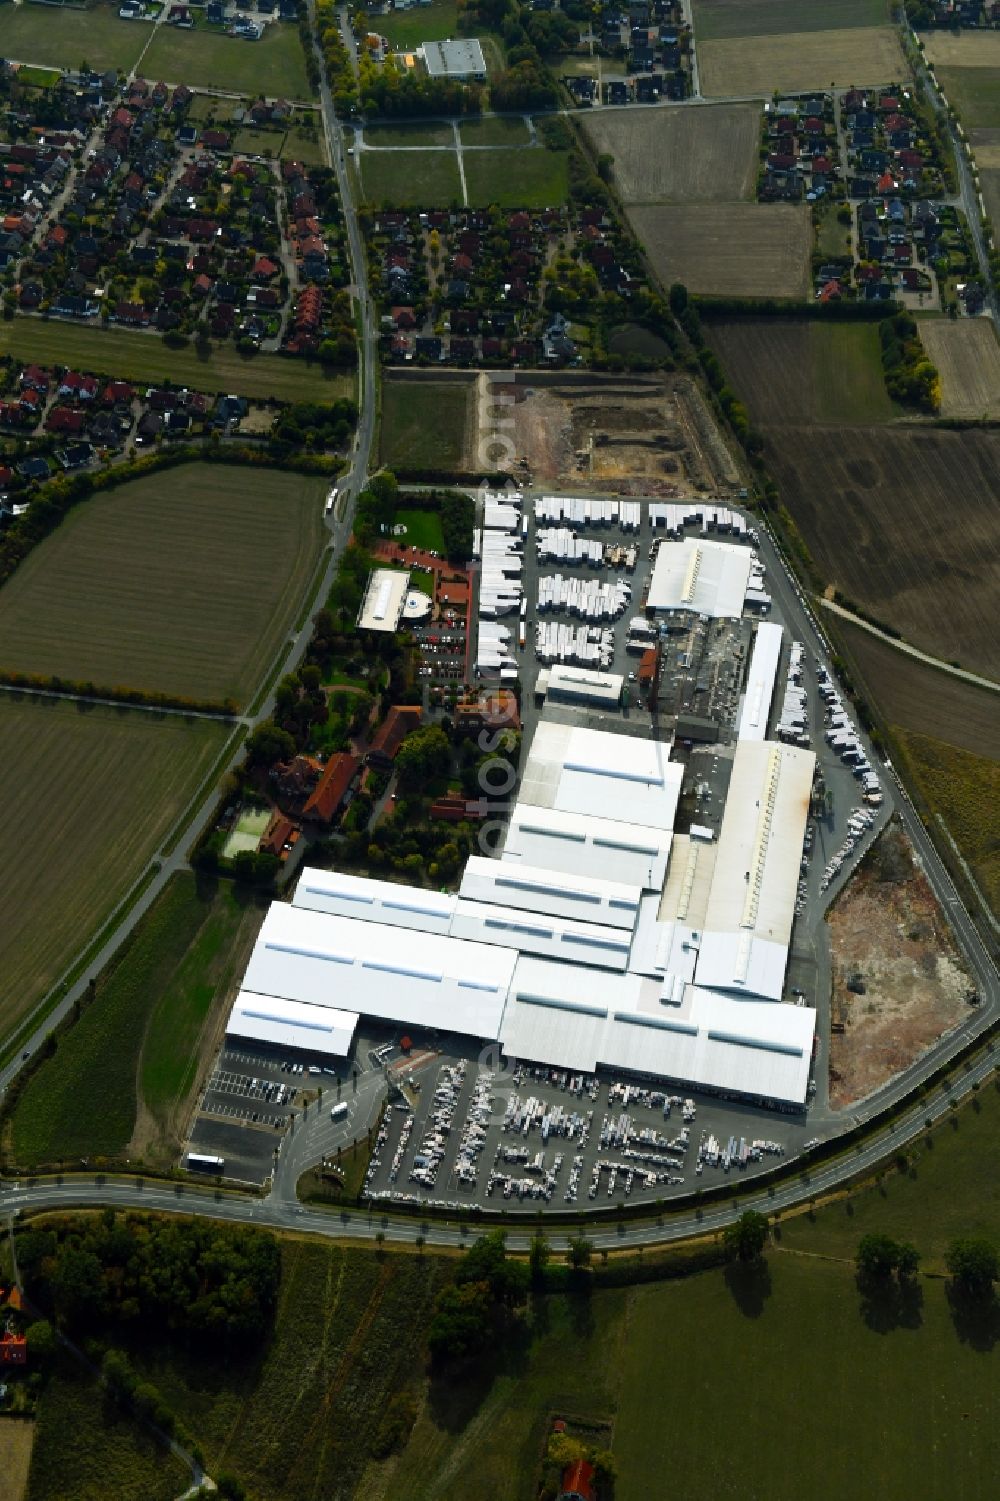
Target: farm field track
(753, 18)
(408, 179)
(38, 34)
(98, 789)
(533, 178)
(141, 357)
(695, 155)
(731, 249)
(205, 59)
(904, 521)
(802, 371)
(859, 56)
(203, 569)
(425, 424)
(967, 355)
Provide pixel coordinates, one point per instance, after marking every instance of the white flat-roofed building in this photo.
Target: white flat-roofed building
(760, 682)
(384, 599)
(579, 844)
(461, 59)
(751, 904)
(582, 1020)
(390, 973)
(708, 578)
(573, 942)
(620, 777)
(344, 895)
(292, 1024)
(536, 889)
(581, 685)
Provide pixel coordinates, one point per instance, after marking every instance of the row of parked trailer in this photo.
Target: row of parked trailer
(842, 736)
(793, 721)
(676, 516)
(641, 1177)
(858, 825)
(622, 1131)
(591, 646)
(559, 545)
(429, 1155)
(736, 1152)
(577, 511)
(592, 599)
(574, 1084)
(521, 1117)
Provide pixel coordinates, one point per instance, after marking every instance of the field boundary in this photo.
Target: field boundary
(910, 651)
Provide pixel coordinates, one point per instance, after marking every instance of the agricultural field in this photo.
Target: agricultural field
(703, 155)
(903, 521)
(973, 91)
(204, 59)
(37, 34)
(714, 19)
(962, 49)
(728, 249)
(16, 1439)
(965, 791)
(855, 56)
(803, 371)
(98, 791)
(122, 1079)
(167, 617)
(123, 355)
(989, 181)
(425, 425)
(535, 178)
(966, 352)
(425, 23)
(87, 1449)
(410, 179)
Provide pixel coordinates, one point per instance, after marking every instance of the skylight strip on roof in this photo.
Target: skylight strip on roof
(789, 1048)
(404, 970)
(292, 948)
(661, 1023)
(559, 1003)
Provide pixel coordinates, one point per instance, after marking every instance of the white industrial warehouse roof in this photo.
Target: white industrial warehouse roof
(583, 683)
(578, 844)
(574, 942)
(384, 600)
(760, 682)
(537, 889)
(292, 1024)
(396, 974)
(689, 880)
(376, 901)
(455, 59)
(621, 777)
(580, 1021)
(709, 578)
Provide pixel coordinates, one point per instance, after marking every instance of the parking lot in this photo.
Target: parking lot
(443, 647)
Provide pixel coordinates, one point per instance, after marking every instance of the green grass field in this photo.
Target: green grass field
(974, 93)
(800, 371)
(965, 790)
(98, 789)
(424, 424)
(304, 144)
(141, 1038)
(134, 356)
(87, 1449)
(203, 571)
(714, 19)
(252, 142)
(847, 372)
(429, 133)
(410, 179)
(66, 38)
(425, 23)
(423, 529)
(203, 59)
(530, 179)
(494, 130)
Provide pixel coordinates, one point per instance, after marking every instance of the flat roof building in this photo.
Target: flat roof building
(707, 578)
(586, 845)
(382, 607)
(580, 685)
(460, 59)
(619, 777)
(760, 682)
(292, 1024)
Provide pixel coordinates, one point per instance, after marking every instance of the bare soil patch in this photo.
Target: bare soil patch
(853, 56)
(728, 249)
(897, 981)
(967, 355)
(692, 155)
(906, 522)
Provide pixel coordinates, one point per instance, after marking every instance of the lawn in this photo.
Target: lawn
(67, 38)
(534, 178)
(203, 59)
(424, 425)
(143, 1030)
(134, 356)
(425, 23)
(203, 568)
(305, 143)
(252, 142)
(423, 530)
(410, 179)
(87, 1449)
(494, 130)
(98, 789)
(751, 18)
(430, 133)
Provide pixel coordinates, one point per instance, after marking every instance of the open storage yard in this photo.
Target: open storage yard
(966, 353)
(852, 57)
(202, 569)
(689, 155)
(123, 355)
(897, 980)
(903, 521)
(98, 789)
(728, 249)
(40, 34)
(753, 18)
(799, 371)
(206, 59)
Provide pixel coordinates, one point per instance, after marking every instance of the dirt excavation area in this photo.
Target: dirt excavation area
(629, 435)
(897, 980)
